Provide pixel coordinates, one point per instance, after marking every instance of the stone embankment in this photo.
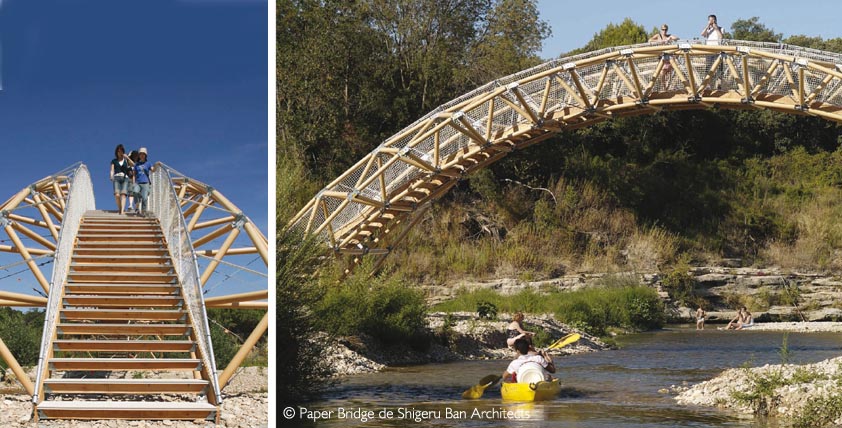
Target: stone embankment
(460, 336)
(768, 292)
(245, 405)
(788, 390)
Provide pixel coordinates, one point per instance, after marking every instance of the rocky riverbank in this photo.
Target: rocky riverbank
(458, 336)
(772, 294)
(245, 405)
(809, 394)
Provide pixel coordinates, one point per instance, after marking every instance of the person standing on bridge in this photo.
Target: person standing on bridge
(120, 177)
(132, 186)
(142, 168)
(712, 31)
(664, 36)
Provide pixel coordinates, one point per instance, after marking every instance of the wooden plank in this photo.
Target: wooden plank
(123, 345)
(111, 258)
(116, 227)
(124, 386)
(151, 267)
(136, 237)
(124, 329)
(121, 300)
(118, 246)
(125, 288)
(147, 251)
(108, 364)
(121, 314)
(156, 278)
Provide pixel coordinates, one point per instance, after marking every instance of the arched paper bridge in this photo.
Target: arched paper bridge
(372, 206)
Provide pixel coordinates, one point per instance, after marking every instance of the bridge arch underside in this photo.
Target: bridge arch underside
(372, 206)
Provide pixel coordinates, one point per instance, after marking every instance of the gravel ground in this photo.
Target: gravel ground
(797, 386)
(803, 327)
(245, 405)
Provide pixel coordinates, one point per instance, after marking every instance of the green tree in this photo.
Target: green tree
(831, 45)
(21, 332)
(426, 44)
(327, 98)
(509, 41)
(752, 29)
(626, 33)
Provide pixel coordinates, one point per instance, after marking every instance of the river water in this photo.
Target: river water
(617, 388)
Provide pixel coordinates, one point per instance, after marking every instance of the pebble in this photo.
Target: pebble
(720, 390)
(245, 403)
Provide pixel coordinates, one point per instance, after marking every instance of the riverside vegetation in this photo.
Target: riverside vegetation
(654, 193)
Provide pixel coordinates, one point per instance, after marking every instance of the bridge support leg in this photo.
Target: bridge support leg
(16, 368)
(28, 258)
(244, 350)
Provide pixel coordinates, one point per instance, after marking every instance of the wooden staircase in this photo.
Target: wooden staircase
(124, 345)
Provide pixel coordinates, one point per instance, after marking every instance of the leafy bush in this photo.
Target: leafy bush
(541, 338)
(680, 284)
(486, 310)
(820, 412)
(229, 329)
(761, 395)
(386, 309)
(301, 365)
(635, 308)
(592, 310)
(21, 332)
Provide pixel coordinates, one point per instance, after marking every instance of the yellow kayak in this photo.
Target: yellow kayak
(530, 391)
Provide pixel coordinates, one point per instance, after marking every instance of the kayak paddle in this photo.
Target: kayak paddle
(477, 390)
(564, 341)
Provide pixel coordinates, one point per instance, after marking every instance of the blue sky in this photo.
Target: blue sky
(185, 79)
(575, 23)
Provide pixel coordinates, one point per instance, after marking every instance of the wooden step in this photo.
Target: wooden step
(135, 237)
(123, 288)
(121, 229)
(125, 386)
(111, 257)
(116, 218)
(122, 314)
(123, 345)
(113, 364)
(117, 227)
(113, 329)
(142, 410)
(120, 223)
(119, 247)
(122, 301)
(124, 277)
(124, 252)
(120, 267)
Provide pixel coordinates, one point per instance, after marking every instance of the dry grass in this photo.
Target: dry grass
(819, 236)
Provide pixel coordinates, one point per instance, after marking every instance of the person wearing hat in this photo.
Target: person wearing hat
(142, 168)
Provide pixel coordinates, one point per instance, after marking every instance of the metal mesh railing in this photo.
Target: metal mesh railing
(165, 205)
(512, 103)
(80, 198)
